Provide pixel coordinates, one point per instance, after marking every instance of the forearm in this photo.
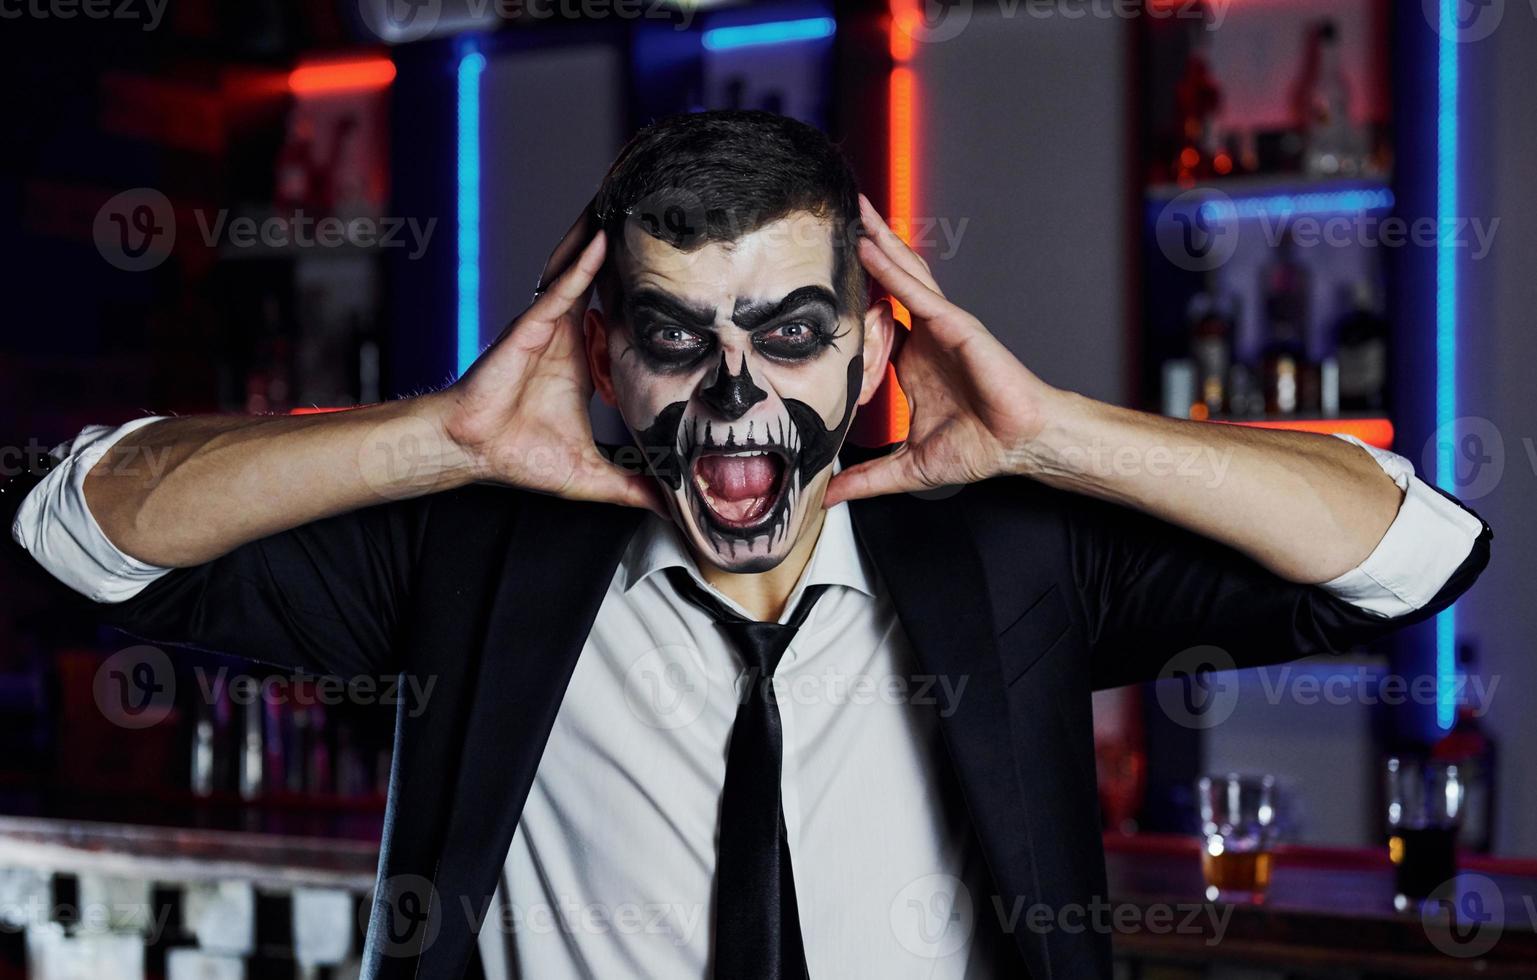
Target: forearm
(1307, 507)
(184, 491)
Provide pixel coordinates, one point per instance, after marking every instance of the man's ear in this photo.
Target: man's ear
(595, 331)
(880, 332)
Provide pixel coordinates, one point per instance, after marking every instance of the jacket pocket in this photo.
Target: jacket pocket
(1033, 633)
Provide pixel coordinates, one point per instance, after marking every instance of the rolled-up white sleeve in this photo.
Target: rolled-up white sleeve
(1425, 544)
(57, 529)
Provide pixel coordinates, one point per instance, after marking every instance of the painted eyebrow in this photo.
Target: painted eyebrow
(751, 314)
(670, 306)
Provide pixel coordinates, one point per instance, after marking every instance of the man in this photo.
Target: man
(604, 781)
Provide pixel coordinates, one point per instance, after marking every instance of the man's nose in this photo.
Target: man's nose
(732, 394)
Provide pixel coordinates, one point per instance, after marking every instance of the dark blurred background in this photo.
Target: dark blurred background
(1308, 213)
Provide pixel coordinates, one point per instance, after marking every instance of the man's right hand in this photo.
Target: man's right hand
(184, 491)
(520, 412)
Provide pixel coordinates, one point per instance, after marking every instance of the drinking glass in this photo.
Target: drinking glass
(1238, 822)
(1425, 803)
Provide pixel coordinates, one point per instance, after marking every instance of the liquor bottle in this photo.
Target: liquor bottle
(1361, 345)
(1211, 348)
(1244, 397)
(201, 778)
(1178, 392)
(1284, 289)
(1321, 107)
(1120, 756)
(1196, 100)
(251, 749)
(1472, 749)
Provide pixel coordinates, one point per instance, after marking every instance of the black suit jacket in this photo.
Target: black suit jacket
(1036, 597)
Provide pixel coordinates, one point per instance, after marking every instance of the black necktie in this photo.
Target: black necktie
(757, 926)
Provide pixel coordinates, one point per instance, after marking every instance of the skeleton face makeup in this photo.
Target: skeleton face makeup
(738, 378)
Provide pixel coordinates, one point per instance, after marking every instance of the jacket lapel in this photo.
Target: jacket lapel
(927, 556)
(558, 565)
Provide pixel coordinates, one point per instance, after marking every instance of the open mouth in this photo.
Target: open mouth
(739, 489)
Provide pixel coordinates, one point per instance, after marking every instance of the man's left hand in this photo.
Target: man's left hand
(974, 408)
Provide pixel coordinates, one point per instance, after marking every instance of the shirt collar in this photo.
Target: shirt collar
(836, 560)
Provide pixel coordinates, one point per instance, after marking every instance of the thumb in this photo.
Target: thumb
(889, 474)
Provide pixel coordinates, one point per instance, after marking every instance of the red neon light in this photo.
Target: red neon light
(905, 22)
(341, 76)
(1373, 432)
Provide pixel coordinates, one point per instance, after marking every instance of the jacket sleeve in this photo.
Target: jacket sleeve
(327, 597)
(1150, 591)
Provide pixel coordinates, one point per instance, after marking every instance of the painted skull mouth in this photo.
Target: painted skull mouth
(739, 484)
(740, 488)
(744, 481)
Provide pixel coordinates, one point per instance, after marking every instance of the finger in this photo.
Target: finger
(892, 244)
(572, 286)
(569, 247)
(898, 337)
(908, 289)
(604, 481)
(889, 474)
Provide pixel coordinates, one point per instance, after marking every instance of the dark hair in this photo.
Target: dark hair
(704, 177)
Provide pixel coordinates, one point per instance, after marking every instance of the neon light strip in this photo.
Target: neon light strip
(1307, 203)
(773, 32)
(341, 76)
(1446, 330)
(906, 21)
(1373, 432)
(899, 213)
(468, 330)
(901, 152)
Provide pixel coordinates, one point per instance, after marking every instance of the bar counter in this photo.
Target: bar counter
(185, 856)
(1328, 912)
(137, 902)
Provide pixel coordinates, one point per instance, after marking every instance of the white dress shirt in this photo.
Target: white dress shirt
(611, 869)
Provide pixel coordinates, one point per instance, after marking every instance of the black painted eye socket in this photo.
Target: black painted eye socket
(674, 342)
(793, 340)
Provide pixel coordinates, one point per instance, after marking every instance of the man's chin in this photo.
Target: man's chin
(734, 549)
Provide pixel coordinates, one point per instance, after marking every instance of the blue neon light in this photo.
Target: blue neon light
(468, 329)
(1292, 205)
(773, 32)
(1446, 329)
